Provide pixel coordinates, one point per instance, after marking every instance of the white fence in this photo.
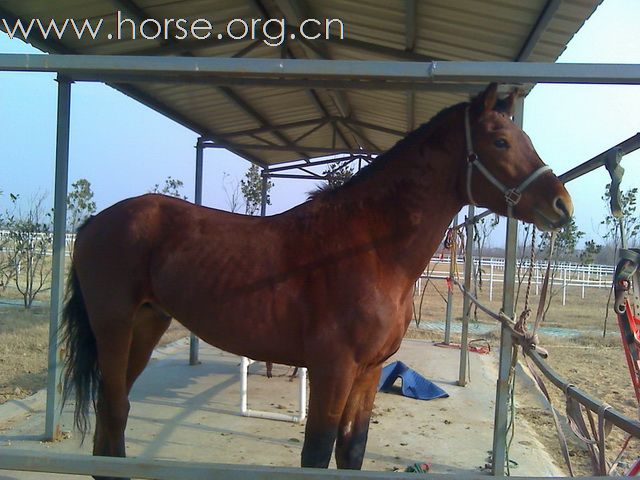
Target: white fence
(68, 240)
(567, 274)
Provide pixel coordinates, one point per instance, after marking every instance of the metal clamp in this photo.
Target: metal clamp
(625, 270)
(512, 197)
(612, 164)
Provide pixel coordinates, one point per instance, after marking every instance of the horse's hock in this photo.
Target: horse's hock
(191, 414)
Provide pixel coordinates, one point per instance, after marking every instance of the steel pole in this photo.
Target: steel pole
(501, 419)
(52, 417)
(449, 313)
(466, 305)
(194, 341)
(263, 198)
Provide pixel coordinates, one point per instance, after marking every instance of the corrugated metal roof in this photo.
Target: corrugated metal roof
(492, 30)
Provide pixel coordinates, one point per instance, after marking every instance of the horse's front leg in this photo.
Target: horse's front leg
(331, 383)
(354, 424)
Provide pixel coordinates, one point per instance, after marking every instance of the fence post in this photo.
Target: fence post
(52, 417)
(491, 283)
(564, 285)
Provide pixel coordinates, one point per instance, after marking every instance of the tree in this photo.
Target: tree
(336, 175)
(251, 188)
(231, 189)
(482, 230)
(566, 241)
(6, 270)
(171, 187)
(80, 204)
(589, 252)
(31, 239)
(564, 247)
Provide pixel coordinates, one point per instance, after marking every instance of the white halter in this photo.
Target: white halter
(511, 195)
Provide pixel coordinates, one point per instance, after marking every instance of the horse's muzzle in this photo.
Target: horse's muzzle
(556, 217)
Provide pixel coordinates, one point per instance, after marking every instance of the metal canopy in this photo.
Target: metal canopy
(330, 113)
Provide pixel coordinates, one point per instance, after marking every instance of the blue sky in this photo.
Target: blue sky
(123, 148)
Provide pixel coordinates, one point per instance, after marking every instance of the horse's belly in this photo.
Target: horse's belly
(247, 328)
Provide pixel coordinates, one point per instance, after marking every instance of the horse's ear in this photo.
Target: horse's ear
(490, 97)
(511, 101)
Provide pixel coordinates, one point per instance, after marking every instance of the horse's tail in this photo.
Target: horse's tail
(80, 373)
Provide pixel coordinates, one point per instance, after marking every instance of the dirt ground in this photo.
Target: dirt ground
(591, 362)
(594, 363)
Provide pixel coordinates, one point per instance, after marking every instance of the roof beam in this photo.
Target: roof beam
(252, 112)
(429, 73)
(348, 158)
(295, 9)
(541, 25)
(293, 148)
(384, 85)
(410, 21)
(282, 126)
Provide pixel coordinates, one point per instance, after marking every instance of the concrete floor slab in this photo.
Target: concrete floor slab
(192, 414)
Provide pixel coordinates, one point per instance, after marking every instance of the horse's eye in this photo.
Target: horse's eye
(501, 143)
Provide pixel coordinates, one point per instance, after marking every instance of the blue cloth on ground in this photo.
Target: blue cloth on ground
(414, 385)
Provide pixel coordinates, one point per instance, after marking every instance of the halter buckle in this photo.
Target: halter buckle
(512, 197)
(472, 157)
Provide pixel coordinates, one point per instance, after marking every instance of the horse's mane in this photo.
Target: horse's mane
(420, 133)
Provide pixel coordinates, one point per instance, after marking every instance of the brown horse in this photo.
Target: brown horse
(326, 285)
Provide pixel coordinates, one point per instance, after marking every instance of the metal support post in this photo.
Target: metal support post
(263, 199)
(501, 419)
(466, 304)
(52, 418)
(194, 341)
(506, 351)
(452, 266)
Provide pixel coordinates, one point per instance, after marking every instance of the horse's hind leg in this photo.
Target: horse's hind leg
(149, 325)
(354, 424)
(113, 342)
(122, 356)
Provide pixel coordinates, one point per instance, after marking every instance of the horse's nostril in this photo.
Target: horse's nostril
(561, 207)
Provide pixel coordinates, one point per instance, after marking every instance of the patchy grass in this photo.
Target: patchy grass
(24, 341)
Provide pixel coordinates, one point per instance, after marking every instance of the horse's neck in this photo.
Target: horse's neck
(415, 208)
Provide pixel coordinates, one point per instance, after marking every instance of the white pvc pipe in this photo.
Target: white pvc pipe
(246, 412)
(244, 365)
(302, 396)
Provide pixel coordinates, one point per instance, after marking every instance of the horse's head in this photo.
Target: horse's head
(503, 172)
